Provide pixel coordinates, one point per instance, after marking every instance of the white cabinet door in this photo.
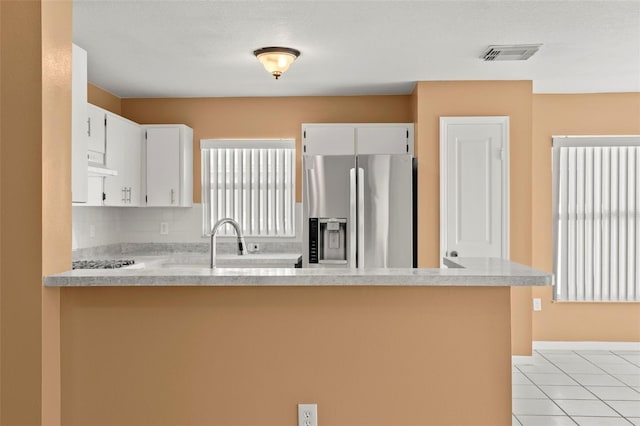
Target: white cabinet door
(382, 140)
(163, 166)
(328, 139)
(96, 128)
(123, 154)
(95, 191)
(79, 162)
(134, 159)
(169, 165)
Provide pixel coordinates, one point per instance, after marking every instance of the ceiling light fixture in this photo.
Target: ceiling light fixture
(276, 60)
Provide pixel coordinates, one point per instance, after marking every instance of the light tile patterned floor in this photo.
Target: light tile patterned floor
(585, 388)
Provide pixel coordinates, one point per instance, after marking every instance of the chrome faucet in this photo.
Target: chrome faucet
(214, 231)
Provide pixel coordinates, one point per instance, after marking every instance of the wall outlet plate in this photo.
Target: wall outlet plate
(307, 414)
(537, 304)
(164, 228)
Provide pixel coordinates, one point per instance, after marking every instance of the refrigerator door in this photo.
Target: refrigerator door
(385, 184)
(327, 194)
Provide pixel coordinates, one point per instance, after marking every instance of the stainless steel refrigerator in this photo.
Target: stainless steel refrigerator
(358, 211)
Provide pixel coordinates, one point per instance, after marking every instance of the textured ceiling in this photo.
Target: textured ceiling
(204, 48)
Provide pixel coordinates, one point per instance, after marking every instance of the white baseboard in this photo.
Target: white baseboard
(522, 359)
(605, 346)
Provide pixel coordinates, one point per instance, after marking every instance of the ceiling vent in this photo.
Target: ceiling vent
(513, 52)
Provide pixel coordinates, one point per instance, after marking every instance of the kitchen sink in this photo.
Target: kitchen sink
(170, 265)
(197, 261)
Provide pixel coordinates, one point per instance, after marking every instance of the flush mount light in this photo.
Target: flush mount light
(276, 60)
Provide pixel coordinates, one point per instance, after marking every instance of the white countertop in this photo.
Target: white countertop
(461, 272)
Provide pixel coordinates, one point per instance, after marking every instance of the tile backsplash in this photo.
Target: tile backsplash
(95, 226)
(98, 226)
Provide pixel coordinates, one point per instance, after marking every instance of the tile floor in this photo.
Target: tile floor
(580, 387)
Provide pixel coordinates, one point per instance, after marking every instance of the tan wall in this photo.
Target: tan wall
(263, 118)
(249, 355)
(107, 100)
(477, 98)
(1, 240)
(36, 214)
(56, 202)
(20, 186)
(586, 114)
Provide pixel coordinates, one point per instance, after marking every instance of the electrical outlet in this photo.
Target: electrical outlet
(537, 304)
(253, 247)
(92, 231)
(307, 414)
(164, 228)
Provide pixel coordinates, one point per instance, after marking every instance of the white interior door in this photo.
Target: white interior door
(474, 187)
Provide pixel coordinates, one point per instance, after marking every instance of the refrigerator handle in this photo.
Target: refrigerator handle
(360, 209)
(352, 218)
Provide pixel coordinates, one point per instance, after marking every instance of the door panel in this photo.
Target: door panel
(163, 167)
(115, 159)
(475, 207)
(329, 139)
(123, 151)
(382, 140)
(133, 156)
(327, 179)
(387, 229)
(327, 194)
(474, 197)
(96, 137)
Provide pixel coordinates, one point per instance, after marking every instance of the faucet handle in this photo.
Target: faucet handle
(242, 246)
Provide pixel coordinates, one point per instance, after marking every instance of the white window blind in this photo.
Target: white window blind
(596, 218)
(250, 181)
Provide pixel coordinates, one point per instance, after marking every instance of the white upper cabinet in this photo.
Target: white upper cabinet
(123, 153)
(357, 138)
(328, 139)
(78, 125)
(96, 123)
(384, 139)
(169, 165)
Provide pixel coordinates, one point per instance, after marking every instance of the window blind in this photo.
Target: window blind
(252, 182)
(596, 218)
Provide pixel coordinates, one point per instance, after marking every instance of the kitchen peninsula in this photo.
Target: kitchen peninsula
(370, 347)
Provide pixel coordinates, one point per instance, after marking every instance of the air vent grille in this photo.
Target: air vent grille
(514, 52)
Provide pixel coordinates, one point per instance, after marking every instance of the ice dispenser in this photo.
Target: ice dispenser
(327, 240)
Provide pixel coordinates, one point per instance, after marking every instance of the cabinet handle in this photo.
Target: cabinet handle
(172, 196)
(129, 195)
(123, 193)
(89, 126)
